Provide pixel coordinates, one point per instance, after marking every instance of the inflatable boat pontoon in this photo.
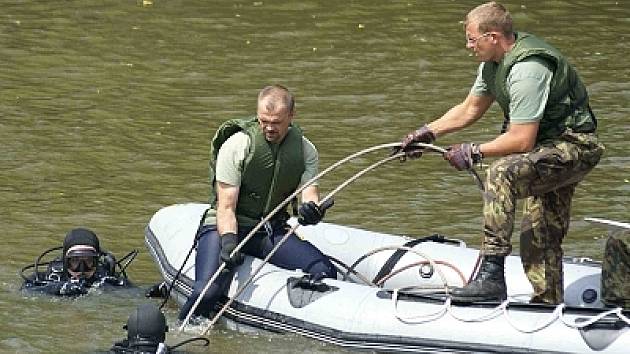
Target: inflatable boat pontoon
(407, 310)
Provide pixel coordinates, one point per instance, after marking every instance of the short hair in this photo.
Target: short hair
(490, 16)
(278, 93)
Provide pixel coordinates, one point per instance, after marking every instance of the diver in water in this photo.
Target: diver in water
(81, 266)
(146, 333)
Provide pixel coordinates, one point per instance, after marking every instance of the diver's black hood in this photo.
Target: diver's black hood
(146, 324)
(80, 236)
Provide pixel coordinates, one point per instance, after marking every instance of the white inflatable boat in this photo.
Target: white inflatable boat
(407, 310)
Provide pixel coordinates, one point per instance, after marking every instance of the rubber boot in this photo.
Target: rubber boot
(488, 285)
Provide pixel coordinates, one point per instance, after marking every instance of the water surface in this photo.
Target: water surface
(108, 107)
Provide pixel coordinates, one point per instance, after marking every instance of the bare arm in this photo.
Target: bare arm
(227, 197)
(310, 193)
(461, 115)
(519, 138)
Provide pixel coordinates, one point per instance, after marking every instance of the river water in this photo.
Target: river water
(107, 109)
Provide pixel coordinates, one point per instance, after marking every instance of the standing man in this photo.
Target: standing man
(255, 164)
(546, 147)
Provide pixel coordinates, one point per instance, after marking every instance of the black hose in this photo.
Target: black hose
(179, 272)
(131, 255)
(348, 269)
(32, 265)
(196, 339)
(36, 264)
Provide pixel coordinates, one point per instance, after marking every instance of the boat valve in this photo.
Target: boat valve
(589, 296)
(426, 271)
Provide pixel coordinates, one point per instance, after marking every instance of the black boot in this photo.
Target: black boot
(488, 285)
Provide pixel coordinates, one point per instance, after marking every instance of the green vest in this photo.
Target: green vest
(567, 104)
(271, 172)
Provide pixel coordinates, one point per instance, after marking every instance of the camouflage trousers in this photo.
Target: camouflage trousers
(546, 178)
(616, 270)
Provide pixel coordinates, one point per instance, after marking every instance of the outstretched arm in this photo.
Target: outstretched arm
(461, 115)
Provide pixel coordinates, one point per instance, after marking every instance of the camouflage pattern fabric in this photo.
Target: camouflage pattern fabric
(546, 178)
(616, 270)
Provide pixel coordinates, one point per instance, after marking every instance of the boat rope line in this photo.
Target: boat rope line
(502, 309)
(551, 319)
(165, 268)
(617, 311)
(420, 263)
(388, 266)
(282, 205)
(259, 317)
(275, 322)
(428, 260)
(421, 317)
(325, 203)
(192, 248)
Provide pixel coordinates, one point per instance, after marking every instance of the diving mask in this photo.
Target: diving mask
(81, 261)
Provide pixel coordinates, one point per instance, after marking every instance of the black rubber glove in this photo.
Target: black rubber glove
(463, 156)
(229, 241)
(421, 135)
(310, 213)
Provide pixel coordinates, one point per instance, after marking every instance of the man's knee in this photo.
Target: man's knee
(505, 170)
(322, 269)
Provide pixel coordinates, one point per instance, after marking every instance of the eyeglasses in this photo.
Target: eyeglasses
(472, 41)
